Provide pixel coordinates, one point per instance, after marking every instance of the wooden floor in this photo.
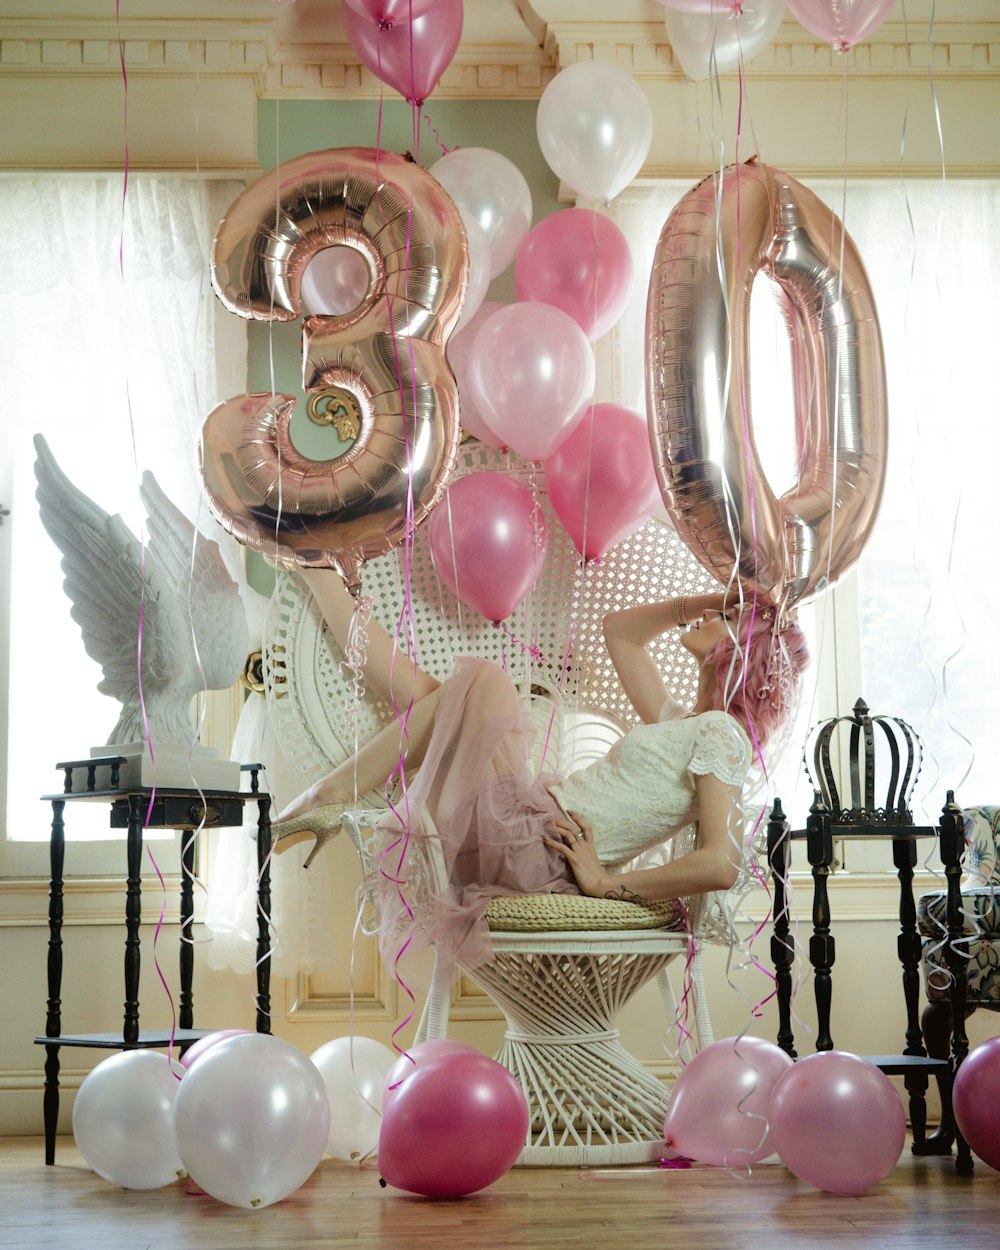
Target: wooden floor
(922, 1204)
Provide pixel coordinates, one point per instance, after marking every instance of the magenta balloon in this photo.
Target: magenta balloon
(578, 261)
(389, 12)
(976, 1100)
(530, 372)
(837, 1122)
(455, 1126)
(417, 1057)
(718, 1110)
(411, 56)
(601, 480)
(205, 1044)
(487, 539)
(459, 348)
(335, 281)
(845, 23)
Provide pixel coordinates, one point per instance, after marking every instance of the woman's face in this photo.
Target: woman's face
(705, 634)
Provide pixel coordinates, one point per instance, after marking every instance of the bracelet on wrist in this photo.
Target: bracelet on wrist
(679, 609)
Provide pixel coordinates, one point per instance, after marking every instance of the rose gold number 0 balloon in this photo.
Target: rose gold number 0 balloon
(697, 376)
(382, 364)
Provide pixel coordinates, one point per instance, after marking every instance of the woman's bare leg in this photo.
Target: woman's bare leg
(394, 676)
(374, 763)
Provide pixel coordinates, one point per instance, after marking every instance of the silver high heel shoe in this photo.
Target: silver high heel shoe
(322, 823)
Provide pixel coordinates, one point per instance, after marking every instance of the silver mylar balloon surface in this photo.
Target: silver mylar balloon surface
(385, 360)
(759, 220)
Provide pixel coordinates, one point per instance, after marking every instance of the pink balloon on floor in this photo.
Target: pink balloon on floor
(417, 1057)
(487, 539)
(459, 350)
(530, 372)
(454, 1127)
(719, 1109)
(976, 1100)
(410, 57)
(204, 1044)
(837, 1122)
(578, 261)
(601, 480)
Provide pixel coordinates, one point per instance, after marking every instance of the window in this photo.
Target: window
(115, 374)
(910, 630)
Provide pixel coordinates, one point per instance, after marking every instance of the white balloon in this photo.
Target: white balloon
(460, 350)
(252, 1118)
(595, 125)
(353, 1071)
(696, 37)
(123, 1120)
(335, 281)
(491, 190)
(480, 265)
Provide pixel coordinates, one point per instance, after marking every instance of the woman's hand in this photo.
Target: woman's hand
(574, 840)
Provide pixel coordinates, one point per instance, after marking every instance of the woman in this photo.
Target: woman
(502, 830)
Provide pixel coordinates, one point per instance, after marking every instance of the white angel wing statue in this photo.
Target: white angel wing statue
(194, 629)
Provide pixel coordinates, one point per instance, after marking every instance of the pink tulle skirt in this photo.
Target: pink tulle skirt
(475, 814)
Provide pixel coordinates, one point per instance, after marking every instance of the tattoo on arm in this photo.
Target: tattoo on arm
(625, 895)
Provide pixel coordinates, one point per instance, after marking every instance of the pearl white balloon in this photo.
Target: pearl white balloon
(353, 1071)
(123, 1120)
(595, 125)
(491, 190)
(335, 281)
(696, 38)
(252, 1118)
(480, 266)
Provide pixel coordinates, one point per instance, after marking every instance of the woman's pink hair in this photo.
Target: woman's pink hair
(757, 671)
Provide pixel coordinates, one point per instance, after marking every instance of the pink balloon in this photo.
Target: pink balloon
(459, 349)
(718, 1110)
(418, 1057)
(205, 1044)
(530, 372)
(578, 261)
(837, 1122)
(487, 538)
(335, 281)
(976, 1100)
(455, 1126)
(845, 23)
(601, 480)
(391, 12)
(410, 56)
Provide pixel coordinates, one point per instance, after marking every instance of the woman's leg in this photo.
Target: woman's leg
(393, 674)
(374, 763)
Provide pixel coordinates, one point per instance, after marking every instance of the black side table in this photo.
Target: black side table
(913, 1064)
(172, 808)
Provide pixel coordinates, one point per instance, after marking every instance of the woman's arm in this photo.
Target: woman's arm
(626, 634)
(713, 866)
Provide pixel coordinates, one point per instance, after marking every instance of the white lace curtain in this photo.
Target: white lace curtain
(93, 361)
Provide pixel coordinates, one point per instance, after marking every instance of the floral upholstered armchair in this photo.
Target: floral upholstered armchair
(981, 915)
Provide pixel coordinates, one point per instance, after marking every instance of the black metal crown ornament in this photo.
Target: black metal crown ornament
(883, 756)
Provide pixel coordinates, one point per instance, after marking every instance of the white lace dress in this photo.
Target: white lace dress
(476, 796)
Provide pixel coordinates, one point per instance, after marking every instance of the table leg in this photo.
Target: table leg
(779, 861)
(53, 1011)
(263, 915)
(952, 847)
(133, 918)
(186, 956)
(904, 857)
(822, 948)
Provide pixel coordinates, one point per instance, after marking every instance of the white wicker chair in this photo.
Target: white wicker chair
(562, 966)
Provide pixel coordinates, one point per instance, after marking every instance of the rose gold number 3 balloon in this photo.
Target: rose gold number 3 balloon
(697, 377)
(381, 366)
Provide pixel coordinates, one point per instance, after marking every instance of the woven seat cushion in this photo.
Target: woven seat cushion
(547, 913)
